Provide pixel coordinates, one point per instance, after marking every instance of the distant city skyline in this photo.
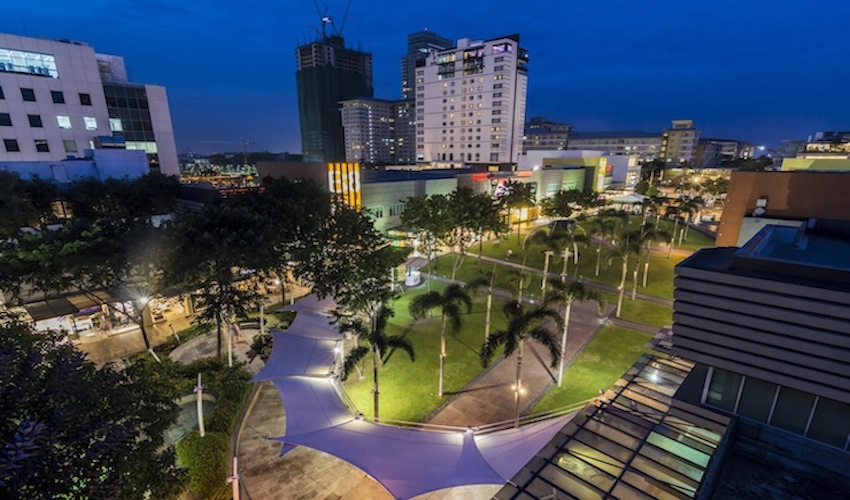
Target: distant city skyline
(739, 70)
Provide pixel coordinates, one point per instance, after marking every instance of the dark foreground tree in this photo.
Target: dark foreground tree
(69, 430)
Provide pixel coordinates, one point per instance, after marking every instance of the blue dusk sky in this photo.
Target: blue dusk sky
(750, 70)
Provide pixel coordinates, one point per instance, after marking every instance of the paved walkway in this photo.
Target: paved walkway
(490, 397)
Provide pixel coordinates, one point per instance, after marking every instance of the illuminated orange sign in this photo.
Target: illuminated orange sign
(344, 180)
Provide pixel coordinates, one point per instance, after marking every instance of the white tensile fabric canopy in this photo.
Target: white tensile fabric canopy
(407, 462)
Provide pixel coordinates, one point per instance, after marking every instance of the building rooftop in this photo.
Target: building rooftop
(614, 134)
(813, 256)
(636, 441)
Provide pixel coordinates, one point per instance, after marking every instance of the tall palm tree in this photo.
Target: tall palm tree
(553, 242)
(674, 212)
(649, 234)
(449, 302)
(627, 247)
(602, 228)
(690, 207)
(569, 292)
(374, 332)
(523, 323)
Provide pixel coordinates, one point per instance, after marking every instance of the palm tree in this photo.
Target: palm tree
(379, 344)
(673, 211)
(648, 235)
(569, 292)
(689, 208)
(626, 248)
(552, 242)
(449, 302)
(601, 228)
(523, 323)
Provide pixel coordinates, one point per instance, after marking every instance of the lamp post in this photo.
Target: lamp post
(199, 392)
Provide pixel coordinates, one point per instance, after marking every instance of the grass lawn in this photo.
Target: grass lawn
(642, 311)
(659, 284)
(604, 360)
(409, 389)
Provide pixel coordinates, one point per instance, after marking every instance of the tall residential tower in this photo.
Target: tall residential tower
(470, 104)
(326, 73)
(419, 45)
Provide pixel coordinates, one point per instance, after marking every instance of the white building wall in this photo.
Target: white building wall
(162, 129)
(77, 73)
(471, 118)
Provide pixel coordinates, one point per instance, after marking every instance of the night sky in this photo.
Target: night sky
(751, 70)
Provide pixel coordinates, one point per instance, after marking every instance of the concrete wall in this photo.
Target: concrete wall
(790, 196)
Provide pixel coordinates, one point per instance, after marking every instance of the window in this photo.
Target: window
(58, 96)
(91, 122)
(27, 94)
(396, 209)
(70, 146)
(85, 99)
(63, 121)
(499, 59)
(792, 410)
(41, 146)
(498, 68)
(11, 145)
(494, 156)
(497, 94)
(497, 85)
(35, 121)
(376, 212)
(5, 120)
(830, 423)
(723, 389)
(2, 96)
(497, 111)
(757, 399)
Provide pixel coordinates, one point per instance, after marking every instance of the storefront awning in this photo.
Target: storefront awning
(72, 304)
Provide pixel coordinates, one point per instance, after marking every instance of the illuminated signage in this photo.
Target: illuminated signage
(344, 181)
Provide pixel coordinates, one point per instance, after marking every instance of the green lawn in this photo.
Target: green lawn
(605, 359)
(660, 279)
(409, 389)
(642, 311)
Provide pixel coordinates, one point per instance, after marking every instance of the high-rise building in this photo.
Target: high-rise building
(60, 99)
(470, 104)
(542, 134)
(645, 145)
(679, 143)
(721, 152)
(378, 132)
(326, 73)
(419, 45)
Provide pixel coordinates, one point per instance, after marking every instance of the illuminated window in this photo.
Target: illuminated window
(115, 125)
(70, 146)
(91, 122)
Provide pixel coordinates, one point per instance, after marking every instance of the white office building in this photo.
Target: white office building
(470, 105)
(59, 100)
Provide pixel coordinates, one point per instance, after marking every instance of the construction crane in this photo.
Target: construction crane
(326, 20)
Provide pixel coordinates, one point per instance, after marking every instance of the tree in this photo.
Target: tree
(517, 195)
(648, 234)
(16, 210)
(70, 430)
(690, 207)
(122, 256)
(213, 251)
(553, 242)
(352, 264)
(602, 228)
(523, 323)
(379, 344)
(450, 303)
(569, 292)
(627, 247)
(425, 216)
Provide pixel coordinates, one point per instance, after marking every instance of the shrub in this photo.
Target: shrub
(206, 459)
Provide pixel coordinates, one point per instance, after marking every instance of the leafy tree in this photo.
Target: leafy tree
(450, 302)
(118, 255)
(42, 194)
(213, 251)
(15, 207)
(569, 292)
(517, 195)
(426, 216)
(69, 430)
(486, 216)
(523, 323)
